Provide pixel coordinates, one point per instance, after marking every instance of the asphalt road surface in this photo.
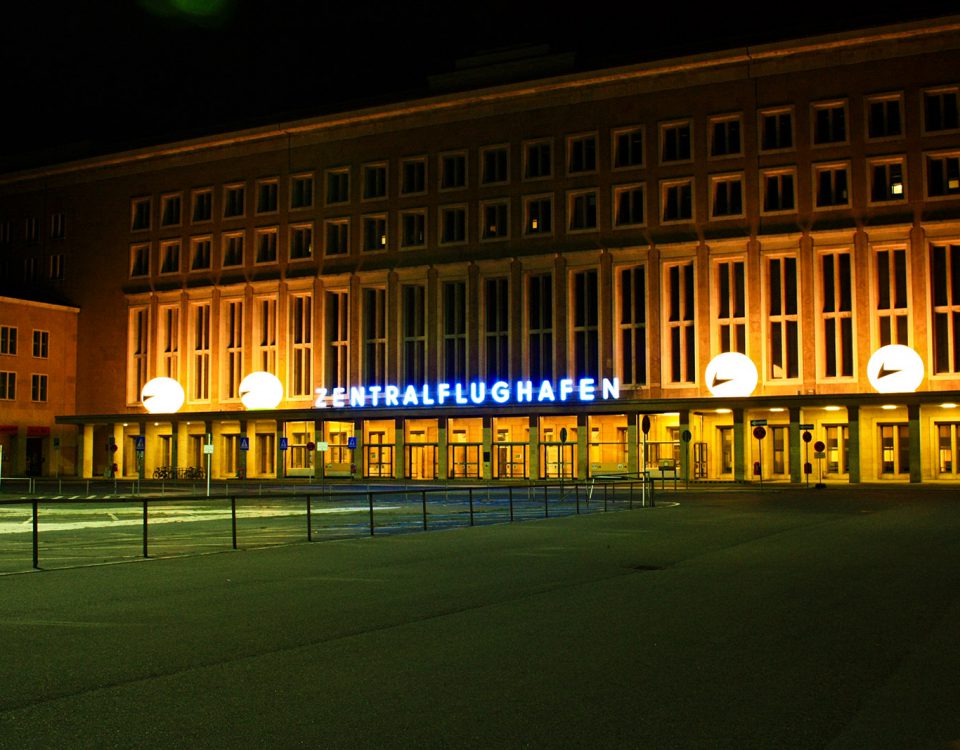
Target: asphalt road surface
(788, 619)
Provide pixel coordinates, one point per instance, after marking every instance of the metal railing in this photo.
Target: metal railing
(75, 525)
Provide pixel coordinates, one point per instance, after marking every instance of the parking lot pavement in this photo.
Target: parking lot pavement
(731, 620)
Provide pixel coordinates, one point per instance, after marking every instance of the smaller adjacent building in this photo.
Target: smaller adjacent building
(38, 355)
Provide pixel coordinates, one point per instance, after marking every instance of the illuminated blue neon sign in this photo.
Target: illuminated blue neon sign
(477, 393)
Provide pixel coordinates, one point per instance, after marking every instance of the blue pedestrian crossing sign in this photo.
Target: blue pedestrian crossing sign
(244, 443)
(283, 443)
(140, 443)
(351, 443)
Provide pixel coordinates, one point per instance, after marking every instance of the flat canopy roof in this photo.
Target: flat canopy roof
(639, 406)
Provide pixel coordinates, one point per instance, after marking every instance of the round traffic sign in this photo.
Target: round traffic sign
(819, 446)
(807, 437)
(311, 446)
(563, 434)
(645, 424)
(686, 436)
(759, 433)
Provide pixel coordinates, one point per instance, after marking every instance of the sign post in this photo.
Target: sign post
(819, 447)
(686, 436)
(322, 447)
(563, 442)
(208, 451)
(807, 437)
(759, 432)
(645, 429)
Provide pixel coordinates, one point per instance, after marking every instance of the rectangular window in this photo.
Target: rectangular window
(453, 224)
(56, 267)
(495, 165)
(58, 226)
(234, 200)
(496, 220)
(374, 181)
(940, 110)
(301, 345)
(265, 332)
(202, 209)
(887, 180)
(945, 298)
(8, 386)
(628, 147)
(414, 333)
(338, 186)
(199, 376)
(137, 345)
(413, 176)
(836, 314)
(8, 340)
(538, 215)
(41, 343)
(301, 241)
(139, 214)
(894, 449)
(586, 324)
(776, 130)
(726, 196)
(453, 171)
(301, 191)
(893, 314)
(233, 249)
(338, 340)
(140, 260)
(730, 323)
(832, 181)
(413, 228)
(948, 449)
(783, 318)
(885, 116)
(455, 331)
(168, 341)
(267, 196)
(374, 336)
(338, 236)
(540, 327)
(496, 329)
(582, 211)
(581, 153)
(943, 175)
(676, 141)
(725, 138)
(374, 233)
(266, 241)
(632, 314)
(170, 257)
(38, 388)
(680, 339)
(779, 191)
(628, 206)
(200, 253)
(170, 210)
(829, 121)
(32, 230)
(676, 200)
(231, 312)
(537, 160)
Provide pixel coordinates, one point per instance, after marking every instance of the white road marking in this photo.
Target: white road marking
(168, 516)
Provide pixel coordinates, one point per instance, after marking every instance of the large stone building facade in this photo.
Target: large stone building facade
(609, 233)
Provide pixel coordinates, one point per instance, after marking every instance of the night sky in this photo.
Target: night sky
(89, 77)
